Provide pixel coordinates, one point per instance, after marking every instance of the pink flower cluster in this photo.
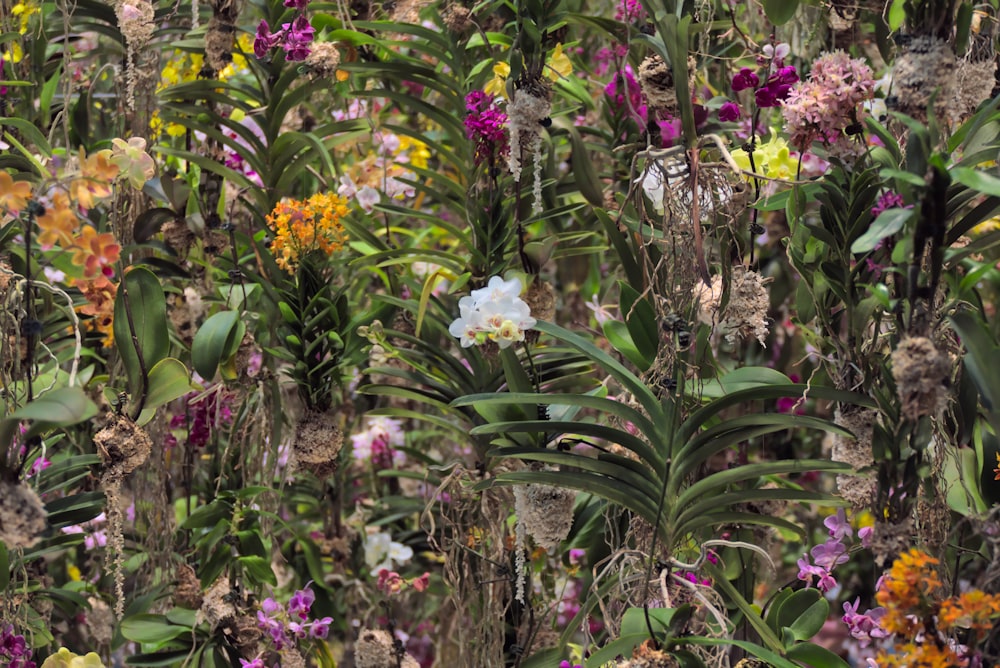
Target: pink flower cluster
(14, 650)
(294, 37)
(630, 11)
(486, 125)
(830, 554)
(201, 418)
(828, 107)
(864, 628)
(288, 625)
(625, 95)
(780, 79)
(391, 582)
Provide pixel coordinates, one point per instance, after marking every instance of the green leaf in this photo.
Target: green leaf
(897, 14)
(168, 658)
(815, 656)
(980, 357)
(4, 567)
(773, 659)
(623, 646)
(804, 612)
(147, 310)
(618, 335)
(741, 379)
(587, 180)
(149, 222)
(58, 408)
(147, 628)
(780, 12)
(977, 180)
(258, 569)
(642, 323)
(215, 342)
(169, 379)
(888, 223)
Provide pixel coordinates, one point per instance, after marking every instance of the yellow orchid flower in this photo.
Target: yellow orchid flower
(67, 659)
(772, 159)
(559, 65)
(498, 84)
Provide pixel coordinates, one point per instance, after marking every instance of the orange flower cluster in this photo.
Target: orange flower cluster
(910, 592)
(302, 227)
(100, 294)
(922, 618)
(59, 225)
(14, 195)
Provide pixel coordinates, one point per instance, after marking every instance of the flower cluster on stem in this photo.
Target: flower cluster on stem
(294, 37)
(14, 650)
(494, 313)
(828, 108)
(286, 625)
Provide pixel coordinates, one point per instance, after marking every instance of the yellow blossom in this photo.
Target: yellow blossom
(304, 227)
(498, 84)
(985, 227)
(771, 159)
(559, 65)
(67, 659)
(23, 11)
(58, 224)
(418, 152)
(14, 195)
(97, 173)
(15, 53)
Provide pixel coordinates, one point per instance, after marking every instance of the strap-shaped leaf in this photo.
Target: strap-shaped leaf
(729, 499)
(618, 468)
(610, 364)
(730, 432)
(616, 408)
(716, 482)
(610, 434)
(582, 481)
(700, 417)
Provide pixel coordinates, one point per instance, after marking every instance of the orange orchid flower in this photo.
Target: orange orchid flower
(97, 173)
(58, 223)
(100, 294)
(14, 195)
(96, 253)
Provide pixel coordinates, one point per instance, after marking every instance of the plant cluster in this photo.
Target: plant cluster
(524, 333)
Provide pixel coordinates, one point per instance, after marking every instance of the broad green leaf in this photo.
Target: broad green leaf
(780, 12)
(804, 612)
(167, 658)
(216, 341)
(741, 379)
(977, 180)
(888, 223)
(147, 311)
(618, 335)
(4, 567)
(981, 354)
(897, 14)
(259, 569)
(622, 646)
(773, 659)
(640, 317)
(960, 474)
(169, 379)
(587, 178)
(58, 408)
(147, 628)
(815, 656)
